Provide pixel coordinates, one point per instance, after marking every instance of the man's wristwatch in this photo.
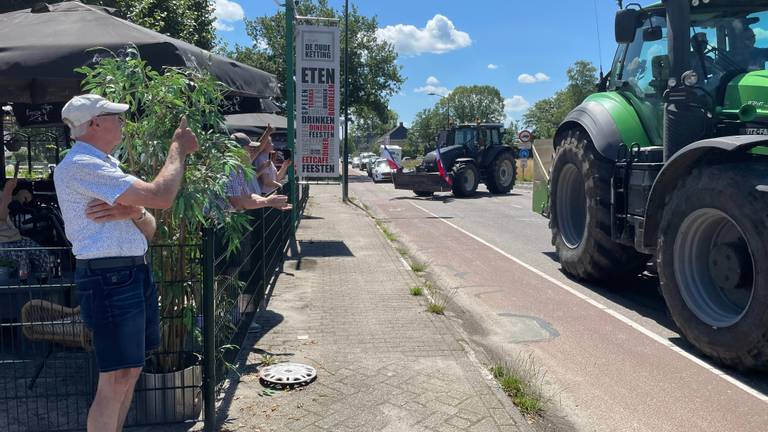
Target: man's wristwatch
(143, 215)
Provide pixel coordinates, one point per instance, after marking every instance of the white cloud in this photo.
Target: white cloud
(442, 91)
(531, 79)
(433, 86)
(218, 25)
(438, 36)
(515, 104)
(227, 11)
(493, 66)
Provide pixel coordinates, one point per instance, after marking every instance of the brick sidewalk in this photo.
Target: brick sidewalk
(384, 363)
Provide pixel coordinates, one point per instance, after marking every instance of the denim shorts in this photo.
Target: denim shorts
(119, 305)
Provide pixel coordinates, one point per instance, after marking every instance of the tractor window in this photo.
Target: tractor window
(645, 69)
(644, 76)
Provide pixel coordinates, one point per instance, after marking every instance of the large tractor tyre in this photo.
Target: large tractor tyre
(713, 262)
(580, 218)
(424, 193)
(501, 178)
(466, 177)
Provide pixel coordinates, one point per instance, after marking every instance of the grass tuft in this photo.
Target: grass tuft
(435, 308)
(417, 291)
(522, 380)
(268, 360)
(418, 267)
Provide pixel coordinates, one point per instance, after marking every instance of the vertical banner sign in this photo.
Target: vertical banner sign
(317, 101)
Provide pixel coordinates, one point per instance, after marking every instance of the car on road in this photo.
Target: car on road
(381, 171)
(356, 162)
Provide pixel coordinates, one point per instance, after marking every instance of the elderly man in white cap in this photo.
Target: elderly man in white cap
(106, 221)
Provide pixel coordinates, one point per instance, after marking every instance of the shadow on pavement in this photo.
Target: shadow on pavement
(324, 248)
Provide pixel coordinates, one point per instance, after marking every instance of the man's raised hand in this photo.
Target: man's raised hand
(185, 138)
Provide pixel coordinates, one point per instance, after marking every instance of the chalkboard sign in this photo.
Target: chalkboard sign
(37, 114)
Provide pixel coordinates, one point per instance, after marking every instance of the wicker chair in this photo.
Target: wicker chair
(43, 321)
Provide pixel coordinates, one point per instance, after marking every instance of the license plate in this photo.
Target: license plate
(754, 131)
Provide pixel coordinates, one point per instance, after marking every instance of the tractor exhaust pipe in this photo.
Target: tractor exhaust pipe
(684, 123)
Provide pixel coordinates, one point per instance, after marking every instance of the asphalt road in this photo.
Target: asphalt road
(612, 357)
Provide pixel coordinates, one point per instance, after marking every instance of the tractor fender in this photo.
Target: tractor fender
(493, 152)
(679, 166)
(595, 118)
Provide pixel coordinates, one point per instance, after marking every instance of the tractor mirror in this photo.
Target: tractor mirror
(652, 34)
(626, 25)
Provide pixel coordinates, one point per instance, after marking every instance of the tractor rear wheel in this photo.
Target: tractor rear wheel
(580, 218)
(465, 179)
(713, 262)
(502, 176)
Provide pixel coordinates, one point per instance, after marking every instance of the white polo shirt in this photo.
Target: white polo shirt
(87, 173)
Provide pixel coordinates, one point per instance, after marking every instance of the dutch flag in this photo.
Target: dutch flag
(441, 168)
(391, 159)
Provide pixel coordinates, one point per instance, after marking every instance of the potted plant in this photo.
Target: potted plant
(169, 387)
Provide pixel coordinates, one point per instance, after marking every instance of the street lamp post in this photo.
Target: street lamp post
(345, 168)
(447, 105)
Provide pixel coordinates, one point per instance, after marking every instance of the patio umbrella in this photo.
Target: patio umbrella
(254, 124)
(42, 46)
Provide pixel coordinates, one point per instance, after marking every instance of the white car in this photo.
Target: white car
(381, 171)
(356, 162)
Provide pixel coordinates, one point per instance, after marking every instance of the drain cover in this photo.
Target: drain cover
(288, 374)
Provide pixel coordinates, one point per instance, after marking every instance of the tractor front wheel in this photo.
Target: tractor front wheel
(465, 179)
(713, 262)
(580, 218)
(502, 176)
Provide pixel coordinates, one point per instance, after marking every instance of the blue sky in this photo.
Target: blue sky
(444, 44)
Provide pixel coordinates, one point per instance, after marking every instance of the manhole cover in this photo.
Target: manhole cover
(288, 374)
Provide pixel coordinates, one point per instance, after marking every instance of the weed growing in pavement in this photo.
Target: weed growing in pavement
(402, 251)
(387, 233)
(267, 360)
(438, 299)
(417, 290)
(418, 267)
(523, 380)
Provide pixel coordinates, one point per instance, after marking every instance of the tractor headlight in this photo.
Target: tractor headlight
(690, 78)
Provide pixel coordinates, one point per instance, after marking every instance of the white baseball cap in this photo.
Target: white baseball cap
(81, 109)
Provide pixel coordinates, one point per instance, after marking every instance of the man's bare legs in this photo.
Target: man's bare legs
(113, 397)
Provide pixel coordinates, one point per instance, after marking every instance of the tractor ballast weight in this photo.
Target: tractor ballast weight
(470, 154)
(665, 164)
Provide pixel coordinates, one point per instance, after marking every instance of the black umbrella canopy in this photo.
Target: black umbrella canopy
(41, 47)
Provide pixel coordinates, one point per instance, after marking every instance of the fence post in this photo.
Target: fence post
(209, 330)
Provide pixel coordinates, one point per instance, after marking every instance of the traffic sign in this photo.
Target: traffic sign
(523, 163)
(524, 154)
(525, 136)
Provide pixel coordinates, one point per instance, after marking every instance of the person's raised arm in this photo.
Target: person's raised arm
(161, 192)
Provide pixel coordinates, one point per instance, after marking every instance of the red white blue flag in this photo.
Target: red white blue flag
(441, 168)
(391, 159)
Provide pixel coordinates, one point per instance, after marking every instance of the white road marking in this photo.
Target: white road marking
(517, 206)
(716, 371)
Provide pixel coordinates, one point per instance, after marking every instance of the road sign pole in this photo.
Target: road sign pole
(345, 168)
(290, 113)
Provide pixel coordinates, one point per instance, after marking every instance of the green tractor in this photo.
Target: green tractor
(670, 160)
(470, 153)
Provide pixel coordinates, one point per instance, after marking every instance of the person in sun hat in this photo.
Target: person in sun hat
(105, 219)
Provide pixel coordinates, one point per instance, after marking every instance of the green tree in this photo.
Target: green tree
(510, 134)
(374, 74)
(470, 103)
(422, 136)
(546, 115)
